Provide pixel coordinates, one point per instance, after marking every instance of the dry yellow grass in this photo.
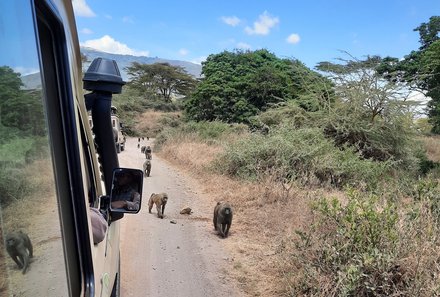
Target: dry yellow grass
(149, 123)
(432, 146)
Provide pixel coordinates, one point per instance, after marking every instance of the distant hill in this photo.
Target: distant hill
(124, 61)
(33, 81)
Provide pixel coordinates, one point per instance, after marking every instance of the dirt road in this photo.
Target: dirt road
(179, 255)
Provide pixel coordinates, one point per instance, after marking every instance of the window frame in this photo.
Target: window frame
(61, 116)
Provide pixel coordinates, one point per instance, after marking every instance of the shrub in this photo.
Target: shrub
(353, 247)
(299, 154)
(210, 132)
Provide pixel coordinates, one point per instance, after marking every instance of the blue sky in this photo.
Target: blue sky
(309, 30)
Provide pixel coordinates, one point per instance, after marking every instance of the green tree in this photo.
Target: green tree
(430, 64)
(238, 85)
(19, 109)
(161, 79)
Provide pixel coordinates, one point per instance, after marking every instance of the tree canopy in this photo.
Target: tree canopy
(160, 79)
(19, 109)
(418, 68)
(238, 85)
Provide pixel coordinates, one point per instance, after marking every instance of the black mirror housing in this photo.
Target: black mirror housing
(126, 193)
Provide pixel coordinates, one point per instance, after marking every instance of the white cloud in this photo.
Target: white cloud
(199, 60)
(242, 45)
(81, 8)
(109, 45)
(293, 38)
(86, 31)
(183, 52)
(231, 21)
(263, 25)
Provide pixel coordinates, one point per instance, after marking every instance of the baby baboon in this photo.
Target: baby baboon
(160, 200)
(19, 247)
(147, 167)
(222, 218)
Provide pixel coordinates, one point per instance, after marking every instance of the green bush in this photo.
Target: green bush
(299, 154)
(15, 155)
(353, 247)
(203, 131)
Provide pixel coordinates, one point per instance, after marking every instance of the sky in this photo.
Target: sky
(311, 31)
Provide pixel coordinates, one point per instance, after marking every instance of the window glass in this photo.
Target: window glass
(28, 202)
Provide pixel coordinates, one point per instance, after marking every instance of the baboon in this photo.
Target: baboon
(148, 153)
(147, 167)
(19, 247)
(223, 218)
(160, 200)
(138, 145)
(143, 149)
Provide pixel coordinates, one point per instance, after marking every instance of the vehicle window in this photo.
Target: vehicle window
(30, 222)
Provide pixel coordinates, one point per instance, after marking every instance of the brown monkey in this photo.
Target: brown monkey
(160, 200)
(148, 153)
(147, 167)
(223, 218)
(19, 247)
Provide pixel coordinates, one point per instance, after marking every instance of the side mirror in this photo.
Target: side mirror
(126, 195)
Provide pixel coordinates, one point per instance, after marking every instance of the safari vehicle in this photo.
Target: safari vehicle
(117, 130)
(118, 136)
(52, 174)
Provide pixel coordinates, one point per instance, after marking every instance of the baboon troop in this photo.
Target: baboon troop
(19, 247)
(147, 167)
(223, 218)
(160, 200)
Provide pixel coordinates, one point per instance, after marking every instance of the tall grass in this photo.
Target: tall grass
(305, 155)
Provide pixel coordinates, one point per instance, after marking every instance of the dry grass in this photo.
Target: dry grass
(149, 123)
(432, 145)
(264, 212)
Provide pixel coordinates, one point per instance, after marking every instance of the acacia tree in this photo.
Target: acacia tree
(372, 114)
(161, 79)
(418, 69)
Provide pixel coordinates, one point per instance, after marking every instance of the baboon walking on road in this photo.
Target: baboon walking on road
(160, 200)
(223, 218)
(19, 247)
(148, 153)
(147, 167)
